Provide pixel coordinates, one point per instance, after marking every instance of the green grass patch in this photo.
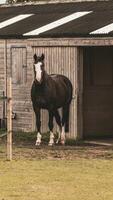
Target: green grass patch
(30, 138)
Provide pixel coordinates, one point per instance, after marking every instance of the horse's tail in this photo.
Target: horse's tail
(66, 109)
(67, 119)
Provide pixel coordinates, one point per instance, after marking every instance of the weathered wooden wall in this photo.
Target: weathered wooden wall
(61, 59)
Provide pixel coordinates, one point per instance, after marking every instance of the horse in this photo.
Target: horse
(50, 92)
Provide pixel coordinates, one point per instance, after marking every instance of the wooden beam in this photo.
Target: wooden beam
(9, 119)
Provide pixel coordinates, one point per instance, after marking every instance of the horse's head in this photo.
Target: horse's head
(39, 68)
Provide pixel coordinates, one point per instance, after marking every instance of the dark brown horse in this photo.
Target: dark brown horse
(50, 92)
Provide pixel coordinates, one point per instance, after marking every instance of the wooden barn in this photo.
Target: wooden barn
(77, 40)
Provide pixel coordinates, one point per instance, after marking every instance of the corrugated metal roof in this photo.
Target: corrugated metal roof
(22, 21)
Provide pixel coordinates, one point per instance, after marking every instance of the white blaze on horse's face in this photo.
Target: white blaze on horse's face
(38, 71)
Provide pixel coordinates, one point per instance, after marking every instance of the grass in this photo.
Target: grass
(56, 173)
(56, 180)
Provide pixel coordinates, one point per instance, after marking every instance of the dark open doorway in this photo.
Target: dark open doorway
(98, 91)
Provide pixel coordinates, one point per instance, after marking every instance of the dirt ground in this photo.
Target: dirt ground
(87, 150)
(24, 147)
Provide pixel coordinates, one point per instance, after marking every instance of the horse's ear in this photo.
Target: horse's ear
(35, 57)
(42, 56)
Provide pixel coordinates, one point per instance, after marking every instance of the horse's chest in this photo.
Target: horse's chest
(42, 97)
(41, 101)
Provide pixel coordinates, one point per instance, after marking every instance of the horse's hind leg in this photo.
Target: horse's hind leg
(58, 121)
(50, 124)
(65, 123)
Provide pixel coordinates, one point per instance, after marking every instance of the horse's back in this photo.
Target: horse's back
(61, 78)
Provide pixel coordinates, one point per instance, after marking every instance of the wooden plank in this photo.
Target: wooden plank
(71, 42)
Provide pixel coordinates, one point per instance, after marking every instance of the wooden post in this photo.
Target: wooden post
(9, 119)
(80, 93)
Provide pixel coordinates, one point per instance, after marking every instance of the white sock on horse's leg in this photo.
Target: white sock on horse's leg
(38, 141)
(63, 135)
(59, 135)
(51, 140)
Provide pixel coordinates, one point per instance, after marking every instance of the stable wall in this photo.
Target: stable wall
(60, 58)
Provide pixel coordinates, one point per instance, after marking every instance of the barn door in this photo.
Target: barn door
(21, 97)
(98, 91)
(19, 66)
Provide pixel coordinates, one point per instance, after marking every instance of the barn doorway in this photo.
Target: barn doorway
(98, 92)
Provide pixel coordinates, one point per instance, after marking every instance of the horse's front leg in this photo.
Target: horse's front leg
(50, 124)
(38, 124)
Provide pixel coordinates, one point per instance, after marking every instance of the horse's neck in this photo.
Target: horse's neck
(46, 77)
(44, 81)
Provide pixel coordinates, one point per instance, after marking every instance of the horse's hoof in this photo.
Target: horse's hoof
(50, 144)
(63, 142)
(57, 142)
(37, 144)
